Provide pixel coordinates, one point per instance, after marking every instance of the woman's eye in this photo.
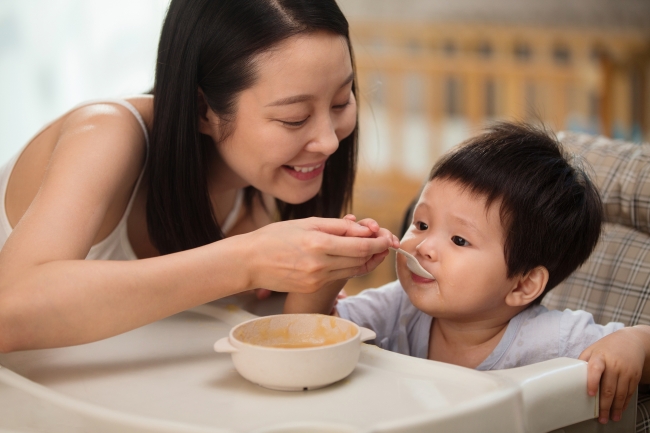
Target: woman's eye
(459, 241)
(421, 226)
(342, 106)
(294, 124)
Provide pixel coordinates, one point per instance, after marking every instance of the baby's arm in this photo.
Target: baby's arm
(618, 362)
(324, 300)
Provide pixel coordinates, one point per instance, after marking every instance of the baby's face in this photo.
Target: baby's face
(460, 242)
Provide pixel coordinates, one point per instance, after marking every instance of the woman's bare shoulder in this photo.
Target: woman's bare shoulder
(99, 143)
(109, 115)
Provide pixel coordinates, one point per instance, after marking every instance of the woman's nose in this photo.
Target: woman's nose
(325, 140)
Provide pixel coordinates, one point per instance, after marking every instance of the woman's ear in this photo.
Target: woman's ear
(528, 287)
(206, 115)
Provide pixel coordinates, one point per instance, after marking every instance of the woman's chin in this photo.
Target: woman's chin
(297, 197)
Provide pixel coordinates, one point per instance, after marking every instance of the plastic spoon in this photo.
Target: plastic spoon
(413, 264)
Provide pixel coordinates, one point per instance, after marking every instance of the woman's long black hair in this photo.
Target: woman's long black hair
(212, 44)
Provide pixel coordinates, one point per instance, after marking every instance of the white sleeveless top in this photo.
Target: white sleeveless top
(116, 245)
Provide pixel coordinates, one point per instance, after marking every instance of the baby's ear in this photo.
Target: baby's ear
(528, 287)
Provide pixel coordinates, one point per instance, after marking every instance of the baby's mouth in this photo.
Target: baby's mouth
(420, 279)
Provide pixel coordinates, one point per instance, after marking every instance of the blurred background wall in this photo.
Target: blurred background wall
(55, 54)
(430, 74)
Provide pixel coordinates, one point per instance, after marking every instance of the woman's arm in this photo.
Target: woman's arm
(50, 296)
(321, 302)
(66, 302)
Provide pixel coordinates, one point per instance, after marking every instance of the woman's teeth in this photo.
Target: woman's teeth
(306, 169)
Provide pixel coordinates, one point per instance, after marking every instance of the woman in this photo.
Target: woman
(253, 102)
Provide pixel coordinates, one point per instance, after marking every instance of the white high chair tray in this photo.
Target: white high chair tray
(165, 377)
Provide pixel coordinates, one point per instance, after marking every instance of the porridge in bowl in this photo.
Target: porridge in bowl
(295, 352)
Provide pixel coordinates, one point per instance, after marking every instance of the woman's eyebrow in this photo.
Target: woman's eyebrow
(348, 80)
(302, 98)
(291, 100)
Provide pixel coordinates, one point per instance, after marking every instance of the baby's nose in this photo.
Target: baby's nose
(427, 249)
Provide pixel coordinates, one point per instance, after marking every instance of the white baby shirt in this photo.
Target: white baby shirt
(534, 335)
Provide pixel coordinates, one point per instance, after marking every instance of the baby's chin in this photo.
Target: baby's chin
(425, 297)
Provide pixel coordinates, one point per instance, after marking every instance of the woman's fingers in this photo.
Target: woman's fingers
(304, 255)
(349, 227)
(370, 223)
(344, 246)
(338, 227)
(344, 274)
(372, 263)
(375, 230)
(394, 240)
(262, 293)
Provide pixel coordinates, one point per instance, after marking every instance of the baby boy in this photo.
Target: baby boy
(502, 220)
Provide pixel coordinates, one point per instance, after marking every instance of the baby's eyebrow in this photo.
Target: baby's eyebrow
(467, 223)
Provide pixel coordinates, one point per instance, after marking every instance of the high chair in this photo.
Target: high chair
(614, 284)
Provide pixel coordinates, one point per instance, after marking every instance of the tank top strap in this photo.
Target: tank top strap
(120, 231)
(124, 103)
(138, 117)
(231, 219)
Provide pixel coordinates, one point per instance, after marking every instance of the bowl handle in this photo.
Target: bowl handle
(367, 334)
(223, 346)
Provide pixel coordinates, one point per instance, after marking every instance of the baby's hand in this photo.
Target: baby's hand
(376, 232)
(616, 363)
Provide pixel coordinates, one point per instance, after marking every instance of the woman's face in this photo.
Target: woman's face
(290, 121)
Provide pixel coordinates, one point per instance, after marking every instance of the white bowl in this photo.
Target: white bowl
(295, 352)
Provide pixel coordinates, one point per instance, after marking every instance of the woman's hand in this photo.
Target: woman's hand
(304, 255)
(325, 300)
(377, 232)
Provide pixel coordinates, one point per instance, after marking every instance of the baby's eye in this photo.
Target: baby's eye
(421, 226)
(459, 241)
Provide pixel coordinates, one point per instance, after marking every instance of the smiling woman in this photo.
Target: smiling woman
(253, 119)
(291, 121)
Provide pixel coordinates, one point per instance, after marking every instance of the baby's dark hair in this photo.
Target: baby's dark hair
(550, 210)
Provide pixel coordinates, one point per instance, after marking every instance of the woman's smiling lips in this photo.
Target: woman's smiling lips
(305, 172)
